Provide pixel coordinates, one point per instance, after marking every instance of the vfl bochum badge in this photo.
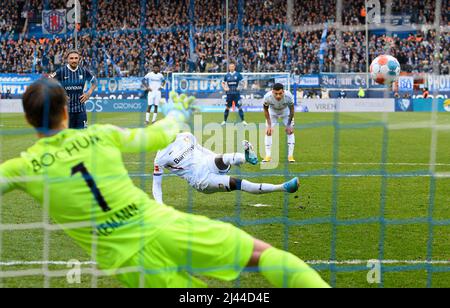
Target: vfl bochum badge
(405, 103)
(54, 21)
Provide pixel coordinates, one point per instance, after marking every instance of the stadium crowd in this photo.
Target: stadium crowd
(9, 16)
(120, 37)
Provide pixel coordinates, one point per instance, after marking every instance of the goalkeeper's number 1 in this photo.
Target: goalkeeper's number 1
(81, 168)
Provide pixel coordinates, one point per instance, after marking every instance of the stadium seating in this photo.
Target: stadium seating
(121, 37)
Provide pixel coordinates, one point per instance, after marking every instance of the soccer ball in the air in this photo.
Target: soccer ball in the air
(385, 69)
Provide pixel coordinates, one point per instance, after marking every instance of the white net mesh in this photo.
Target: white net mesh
(331, 41)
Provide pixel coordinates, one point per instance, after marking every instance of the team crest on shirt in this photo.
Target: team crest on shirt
(81, 76)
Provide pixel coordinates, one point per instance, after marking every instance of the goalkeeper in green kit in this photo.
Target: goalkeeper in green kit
(90, 194)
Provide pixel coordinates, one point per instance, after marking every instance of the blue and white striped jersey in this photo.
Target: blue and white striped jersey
(74, 82)
(233, 80)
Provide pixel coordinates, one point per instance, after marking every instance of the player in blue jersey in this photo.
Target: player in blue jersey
(232, 86)
(73, 78)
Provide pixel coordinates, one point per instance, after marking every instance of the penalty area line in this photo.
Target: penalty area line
(311, 262)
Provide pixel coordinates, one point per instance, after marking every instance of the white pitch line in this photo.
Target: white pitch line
(385, 262)
(311, 262)
(18, 263)
(340, 164)
(15, 126)
(419, 125)
(442, 175)
(372, 164)
(438, 175)
(261, 205)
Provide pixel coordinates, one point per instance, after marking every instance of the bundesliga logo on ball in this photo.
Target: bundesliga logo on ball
(385, 70)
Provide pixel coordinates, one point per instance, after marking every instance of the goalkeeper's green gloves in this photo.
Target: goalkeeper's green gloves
(179, 107)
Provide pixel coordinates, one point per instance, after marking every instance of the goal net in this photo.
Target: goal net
(208, 90)
(373, 161)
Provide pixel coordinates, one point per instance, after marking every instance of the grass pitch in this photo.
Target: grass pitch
(366, 194)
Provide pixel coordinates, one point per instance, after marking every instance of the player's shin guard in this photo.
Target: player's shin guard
(226, 114)
(284, 270)
(291, 144)
(268, 141)
(155, 116)
(256, 188)
(241, 114)
(235, 159)
(147, 117)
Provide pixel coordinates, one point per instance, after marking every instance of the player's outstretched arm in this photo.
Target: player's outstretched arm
(159, 135)
(157, 186)
(10, 173)
(150, 139)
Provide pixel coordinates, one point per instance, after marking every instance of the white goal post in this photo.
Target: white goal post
(207, 87)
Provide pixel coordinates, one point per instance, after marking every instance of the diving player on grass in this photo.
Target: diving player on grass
(206, 171)
(80, 174)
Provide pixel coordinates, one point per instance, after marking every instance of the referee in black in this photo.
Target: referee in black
(74, 78)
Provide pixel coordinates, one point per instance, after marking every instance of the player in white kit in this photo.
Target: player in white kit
(279, 104)
(206, 171)
(153, 83)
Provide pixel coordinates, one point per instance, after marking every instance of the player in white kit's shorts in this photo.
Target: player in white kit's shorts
(154, 97)
(283, 116)
(207, 172)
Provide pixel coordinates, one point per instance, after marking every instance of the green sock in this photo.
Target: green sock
(283, 269)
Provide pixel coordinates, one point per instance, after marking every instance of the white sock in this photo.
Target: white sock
(155, 116)
(291, 144)
(147, 117)
(268, 146)
(235, 159)
(254, 188)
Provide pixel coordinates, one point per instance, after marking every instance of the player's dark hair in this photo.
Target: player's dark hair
(278, 87)
(43, 103)
(72, 51)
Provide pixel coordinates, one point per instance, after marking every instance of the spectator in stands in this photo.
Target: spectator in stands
(202, 64)
(342, 94)
(425, 93)
(361, 93)
(325, 94)
(6, 95)
(260, 45)
(363, 15)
